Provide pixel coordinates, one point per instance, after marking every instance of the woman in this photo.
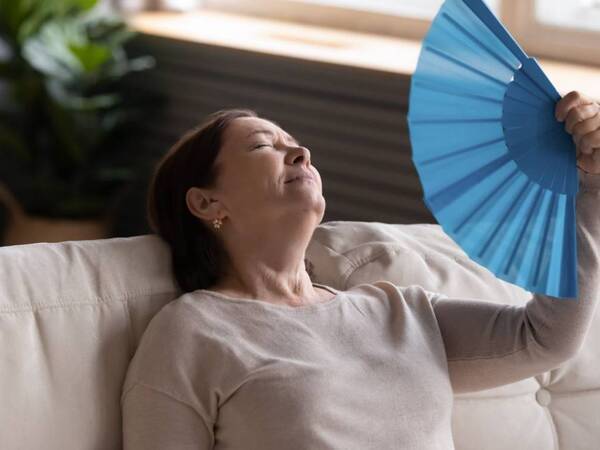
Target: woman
(256, 356)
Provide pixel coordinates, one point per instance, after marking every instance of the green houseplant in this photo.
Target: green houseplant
(67, 116)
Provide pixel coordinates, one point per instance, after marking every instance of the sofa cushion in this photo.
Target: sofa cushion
(345, 253)
(71, 315)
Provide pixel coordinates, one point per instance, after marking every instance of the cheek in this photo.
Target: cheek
(266, 171)
(259, 176)
(239, 186)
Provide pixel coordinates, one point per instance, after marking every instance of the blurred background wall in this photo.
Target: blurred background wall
(334, 73)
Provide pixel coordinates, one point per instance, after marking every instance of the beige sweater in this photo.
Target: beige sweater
(375, 367)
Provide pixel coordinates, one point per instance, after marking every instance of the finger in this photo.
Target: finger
(596, 154)
(579, 114)
(589, 142)
(572, 99)
(587, 126)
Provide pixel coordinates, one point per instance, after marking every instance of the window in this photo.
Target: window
(584, 14)
(559, 29)
(401, 18)
(422, 9)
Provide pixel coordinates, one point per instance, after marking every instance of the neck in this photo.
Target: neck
(269, 264)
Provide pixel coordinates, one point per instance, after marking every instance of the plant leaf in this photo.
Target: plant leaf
(74, 101)
(35, 13)
(90, 56)
(13, 13)
(73, 104)
(48, 51)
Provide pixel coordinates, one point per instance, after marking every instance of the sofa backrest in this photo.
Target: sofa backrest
(71, 315)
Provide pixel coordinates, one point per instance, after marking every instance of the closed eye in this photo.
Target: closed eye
(268, 145)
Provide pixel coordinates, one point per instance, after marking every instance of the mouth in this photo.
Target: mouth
(302, 177)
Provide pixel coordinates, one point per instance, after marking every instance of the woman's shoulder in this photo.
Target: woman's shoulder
(383, 286)
(176, 341)
(177, 325)
(378, 288)
(387, 293)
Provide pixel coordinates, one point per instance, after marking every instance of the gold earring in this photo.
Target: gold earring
(217, 223)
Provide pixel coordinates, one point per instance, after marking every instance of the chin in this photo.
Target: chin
(316, 210)
(323, 204)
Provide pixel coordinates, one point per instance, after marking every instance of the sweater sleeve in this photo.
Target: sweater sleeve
(153, 419)
(490, 344)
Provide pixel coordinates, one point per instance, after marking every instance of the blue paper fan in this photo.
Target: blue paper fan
(498, 170)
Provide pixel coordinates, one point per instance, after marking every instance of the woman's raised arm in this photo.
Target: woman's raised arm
(491, 344)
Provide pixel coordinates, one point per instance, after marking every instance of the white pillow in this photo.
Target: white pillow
(346, 253)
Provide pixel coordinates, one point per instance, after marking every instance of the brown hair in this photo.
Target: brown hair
(198, 256)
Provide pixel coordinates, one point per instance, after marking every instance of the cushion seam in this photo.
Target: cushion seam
(362, 262)
(335, 251)
(96, 301)
(354, 266)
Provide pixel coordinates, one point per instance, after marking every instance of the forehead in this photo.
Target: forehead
(243, 128)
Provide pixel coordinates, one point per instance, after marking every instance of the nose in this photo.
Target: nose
(298, 154)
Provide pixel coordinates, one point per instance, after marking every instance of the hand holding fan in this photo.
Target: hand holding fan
(498, 170)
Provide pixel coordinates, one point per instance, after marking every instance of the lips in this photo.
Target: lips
(304, 175)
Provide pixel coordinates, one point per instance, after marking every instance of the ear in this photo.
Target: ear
(201, 205)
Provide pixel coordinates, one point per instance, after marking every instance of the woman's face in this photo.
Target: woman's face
(256, 159)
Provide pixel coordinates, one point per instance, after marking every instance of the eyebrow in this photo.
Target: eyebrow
(272, 134)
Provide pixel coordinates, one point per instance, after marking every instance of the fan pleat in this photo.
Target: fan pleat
(480, 44)
(460, 151)
(450, 171)
(425, 86)
(509, 102)
(465, 66)
(509, 203)
(509, 198)
(437, 140)
(568, 271)
(522, 247)
(545, 245)
(521, 92)
(530, 88)
(453, 191)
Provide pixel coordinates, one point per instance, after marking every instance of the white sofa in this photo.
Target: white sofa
(72, 313)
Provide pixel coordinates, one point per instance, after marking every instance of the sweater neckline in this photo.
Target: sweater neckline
(261, 303)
